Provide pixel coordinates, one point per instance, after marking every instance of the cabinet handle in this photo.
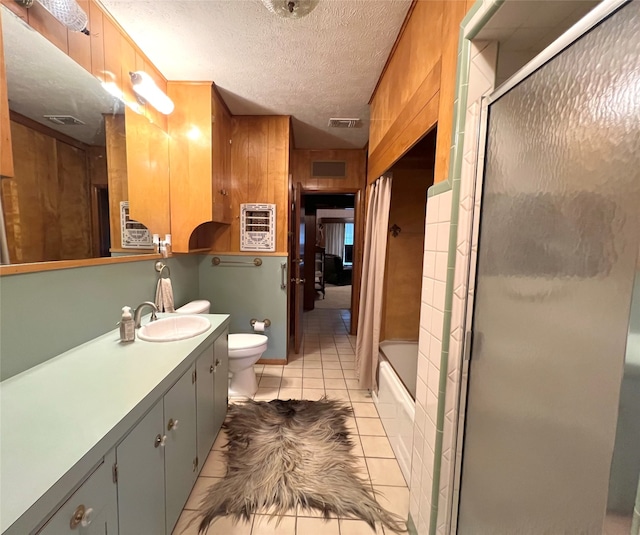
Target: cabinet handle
(81, 517)
(212, 369)
(215, 369)
(160, 441)
(173, 424)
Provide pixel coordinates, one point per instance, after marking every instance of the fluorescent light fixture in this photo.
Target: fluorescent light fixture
(147, 90)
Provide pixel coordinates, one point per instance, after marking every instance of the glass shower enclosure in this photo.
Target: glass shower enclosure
(552, 424)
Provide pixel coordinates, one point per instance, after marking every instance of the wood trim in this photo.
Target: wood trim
(47, 131)
(17, 269)
(393, 49)
(272, 362)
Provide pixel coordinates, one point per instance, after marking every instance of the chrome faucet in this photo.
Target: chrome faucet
(137, 315)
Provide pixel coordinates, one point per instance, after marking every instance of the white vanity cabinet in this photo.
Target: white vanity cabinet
(156, 463)
(91, 510)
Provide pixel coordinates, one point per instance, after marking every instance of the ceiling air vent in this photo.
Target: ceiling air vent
(344, 122)
(68, 120)
(320, 169)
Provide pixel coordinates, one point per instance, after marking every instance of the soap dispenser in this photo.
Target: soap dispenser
(127, 327)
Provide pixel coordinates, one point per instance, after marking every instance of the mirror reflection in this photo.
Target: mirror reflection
(69, 150)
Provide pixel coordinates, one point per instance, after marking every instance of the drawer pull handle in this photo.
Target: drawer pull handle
(81, 517)
(160, 441)
(173, 424)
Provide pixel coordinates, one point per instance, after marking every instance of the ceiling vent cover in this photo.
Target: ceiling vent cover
(333, 169)
(344, 122)
(68, 120)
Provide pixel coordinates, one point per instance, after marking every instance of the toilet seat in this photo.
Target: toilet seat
(242, 341)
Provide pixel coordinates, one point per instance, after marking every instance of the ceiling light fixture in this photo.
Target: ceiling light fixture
(68, 12)
(147, 90)
(291, 9)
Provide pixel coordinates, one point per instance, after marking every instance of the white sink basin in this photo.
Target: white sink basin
(173, 328)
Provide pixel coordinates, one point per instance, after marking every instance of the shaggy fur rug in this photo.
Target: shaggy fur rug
(282, 454)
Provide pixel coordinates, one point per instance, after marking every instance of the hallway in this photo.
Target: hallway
(325, 368)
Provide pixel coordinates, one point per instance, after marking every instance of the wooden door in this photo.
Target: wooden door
(298, 267)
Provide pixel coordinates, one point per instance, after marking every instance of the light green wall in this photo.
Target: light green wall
(46, 313)
(248, 292)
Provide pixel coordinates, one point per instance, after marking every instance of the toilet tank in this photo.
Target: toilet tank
(201, 306)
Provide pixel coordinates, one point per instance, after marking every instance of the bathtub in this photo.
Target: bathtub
(397, 375)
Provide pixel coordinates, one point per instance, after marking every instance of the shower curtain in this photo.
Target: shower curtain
(371, 290)
(334, 238)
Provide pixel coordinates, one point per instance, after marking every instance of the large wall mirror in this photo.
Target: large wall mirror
(69, 151)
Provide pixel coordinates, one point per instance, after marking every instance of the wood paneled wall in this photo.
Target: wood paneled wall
(403, 272)
(259, 174)
(417, 86)
(47, 204)
(356, 169)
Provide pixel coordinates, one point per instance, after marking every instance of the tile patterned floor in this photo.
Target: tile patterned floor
(326, 368)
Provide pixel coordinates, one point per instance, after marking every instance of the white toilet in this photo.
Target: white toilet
(244, 351)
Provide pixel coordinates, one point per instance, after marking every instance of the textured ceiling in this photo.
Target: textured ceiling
(323, 65)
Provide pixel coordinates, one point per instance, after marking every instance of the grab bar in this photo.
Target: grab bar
(160, 267)
(283, 275)
(215, 261)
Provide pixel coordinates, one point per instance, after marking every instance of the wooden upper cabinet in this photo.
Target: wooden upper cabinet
(199, 132)
(221, 156)
(6, 154)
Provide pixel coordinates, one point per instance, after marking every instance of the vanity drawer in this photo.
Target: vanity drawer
(92, 509)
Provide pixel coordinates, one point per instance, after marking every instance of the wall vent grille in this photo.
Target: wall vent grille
(332, 169)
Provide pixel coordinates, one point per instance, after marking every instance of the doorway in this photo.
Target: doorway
(329, 248)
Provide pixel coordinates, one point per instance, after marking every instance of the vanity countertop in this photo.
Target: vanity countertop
(58, 419)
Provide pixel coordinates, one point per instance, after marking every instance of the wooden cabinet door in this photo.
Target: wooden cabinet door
(180, 450)
(92, 510)
(221, 379)
(140, 458)
(205, 403)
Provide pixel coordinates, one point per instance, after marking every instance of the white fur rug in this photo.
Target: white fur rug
(284, 454)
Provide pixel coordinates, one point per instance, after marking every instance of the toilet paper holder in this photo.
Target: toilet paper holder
(267, 322)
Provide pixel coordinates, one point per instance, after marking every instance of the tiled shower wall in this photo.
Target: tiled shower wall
(434, 277)
(483, 59)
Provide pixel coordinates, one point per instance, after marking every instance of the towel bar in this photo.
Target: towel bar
(160, 267)
(215, 261)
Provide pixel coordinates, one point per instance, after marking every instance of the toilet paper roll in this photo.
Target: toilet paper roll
(259, 326)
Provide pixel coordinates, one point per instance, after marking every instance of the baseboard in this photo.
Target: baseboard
(276, 362)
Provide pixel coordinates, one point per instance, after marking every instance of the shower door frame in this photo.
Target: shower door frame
(564, 41)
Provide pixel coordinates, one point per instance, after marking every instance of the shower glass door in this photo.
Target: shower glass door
(557, 258)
